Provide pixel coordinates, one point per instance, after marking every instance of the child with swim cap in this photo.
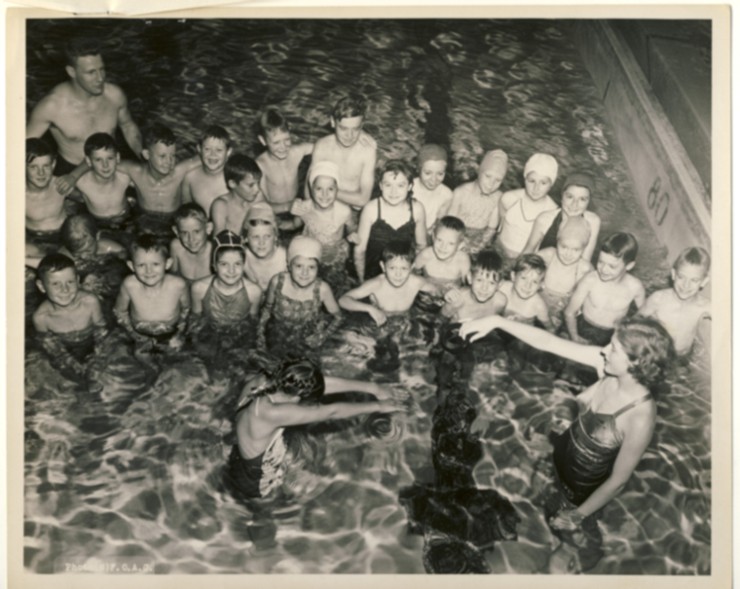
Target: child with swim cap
(577, 192)
(519, 208)
(565, 266)
(428, 187)
(476, 203)
(264, 257)
(291, 317)
(325, 218)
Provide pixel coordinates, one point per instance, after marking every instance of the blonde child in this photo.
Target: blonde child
(443, 263)
(565, 266)
(683, 308)
(291, 316)
(518, 209)
(481, 298)
(576, 195)
(243, 176)
(191, 248)
(603, 298)
(523, 300)
(152, 305)
(428, 187)
(204, 184)
(476, 203)
(264, 256)
(69, 324)
(395, 216)
(393, 292)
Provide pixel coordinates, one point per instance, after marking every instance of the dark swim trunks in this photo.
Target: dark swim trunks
(63, 167)
(598, 336)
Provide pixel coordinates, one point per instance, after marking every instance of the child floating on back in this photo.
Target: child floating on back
(428, 188)
(443, 263)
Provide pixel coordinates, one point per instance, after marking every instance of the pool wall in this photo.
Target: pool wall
(666, 182)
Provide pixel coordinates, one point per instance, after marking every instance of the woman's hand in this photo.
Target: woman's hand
(567, 520)
(474, 329)
(390, 406)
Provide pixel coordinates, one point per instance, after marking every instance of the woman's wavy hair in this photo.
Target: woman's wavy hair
(294, 376)
(649, 348)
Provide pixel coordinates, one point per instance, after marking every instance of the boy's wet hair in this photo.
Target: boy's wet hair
(529, 262)
(696, 256)
(272, 120)
(36, 147)
(158, 133)
(98, 141)
(398, 248)
(487, 261)
(80, 47)
(216, 132)
(54, 263)
(396, 167)
(238, 166)
(348, 107)
(190, 210)
(622, 245)
(149, 243)
(450, 222)
(75, 227)
(649, 348)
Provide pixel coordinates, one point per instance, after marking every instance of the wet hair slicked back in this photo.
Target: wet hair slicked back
(622, 245)
(80, 47)
(529, 262)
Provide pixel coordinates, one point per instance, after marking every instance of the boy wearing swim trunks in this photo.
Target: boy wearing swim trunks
(443, 263)
(191, 249)
(103, 186)
(393, 292)
(152, 305)
(69, 324)
(265, 257)
(243, 177)
(481, 298)
(683, 308)
(204, 184)
(602, 298)
(45, 212)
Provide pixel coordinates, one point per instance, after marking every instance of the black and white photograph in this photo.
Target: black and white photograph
(371, 292)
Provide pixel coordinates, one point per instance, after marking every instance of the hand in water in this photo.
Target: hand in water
(568, 520)
(176, 343)
(65, 184)
(474, 329)
(390, 406)
(480, 425)
(378, 316)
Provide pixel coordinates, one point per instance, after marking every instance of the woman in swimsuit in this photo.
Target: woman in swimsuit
(595, 457)
(394, 216)
(288, 397)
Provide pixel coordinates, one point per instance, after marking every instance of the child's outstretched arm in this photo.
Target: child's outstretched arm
(330, 304)
(121, 312)
(351, 301)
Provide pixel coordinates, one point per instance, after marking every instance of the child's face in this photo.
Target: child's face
(446, 243)
(277, 143)
(489, 181)
(394, 187)
(688, 280)
(570, 250)
(432, 173)
(483, 285)
(213, 154)
(303, 271)
(230, 267)
(247, 189)
(527, 282)
(324, 191)
(397, 271)
(38, 172)
(537, 186)
(261, 240)
(192, 233)
(82, 243)
(610, 267)
(575, 200)
(60, 287)
(347, 130)
(103, 162)
(149, 266)
(161, 158)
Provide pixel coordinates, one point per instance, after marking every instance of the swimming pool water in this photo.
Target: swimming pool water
(135, 472)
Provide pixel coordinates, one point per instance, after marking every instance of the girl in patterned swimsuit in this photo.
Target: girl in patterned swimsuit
(596, 456)
(289, 397)
(291, 316)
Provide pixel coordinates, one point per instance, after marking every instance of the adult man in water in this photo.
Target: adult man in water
(83, 105)
(353, 150)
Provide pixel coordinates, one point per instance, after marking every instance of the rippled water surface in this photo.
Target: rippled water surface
(136, 471)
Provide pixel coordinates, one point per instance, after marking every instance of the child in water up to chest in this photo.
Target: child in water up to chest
(443, 263)
(264, 256)
(523, 300)
(481, 298)
(191, 249)
(428, 186)
(242, 175)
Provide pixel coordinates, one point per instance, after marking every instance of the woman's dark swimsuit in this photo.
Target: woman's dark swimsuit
(585, 453)
(381, 234)
(550, 238)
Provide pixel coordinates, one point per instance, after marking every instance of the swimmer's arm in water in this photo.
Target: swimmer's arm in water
(637, 436)
(535, 337)
(332, 307)
(367, 217)
(583, 288)
(287, 414)
(335, 384)
(352, 300)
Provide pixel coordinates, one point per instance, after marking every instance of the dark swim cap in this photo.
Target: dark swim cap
(579, 179)
(300, 377)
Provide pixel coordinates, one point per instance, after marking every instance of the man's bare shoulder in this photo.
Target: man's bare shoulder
(367, 142)
(115, 94)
